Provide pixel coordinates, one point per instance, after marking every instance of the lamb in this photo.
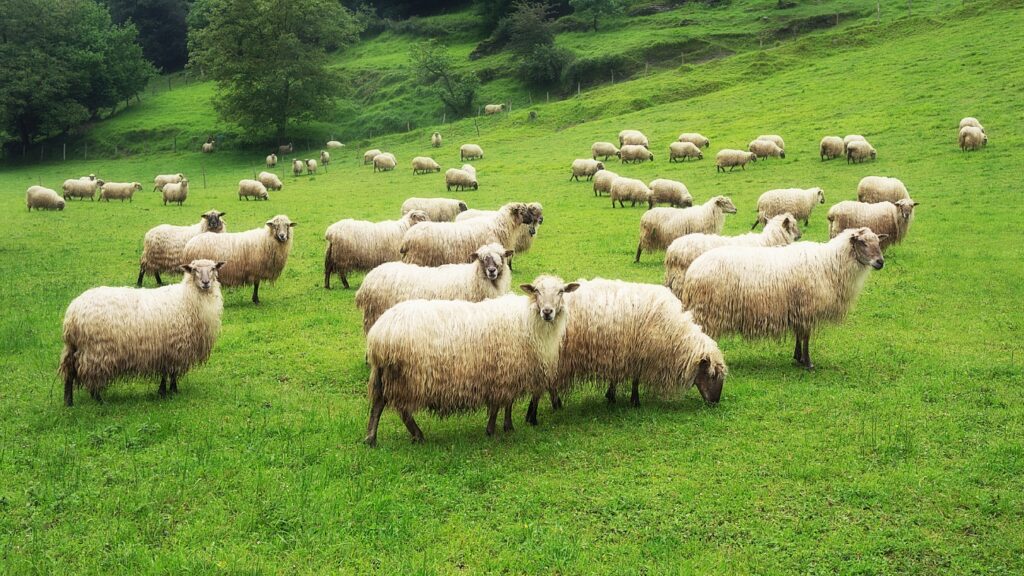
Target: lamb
(633, 153)
(766, 148)
(164, 245)
(252, 256)
(859, 151)
(110, 333)
(971, 121)
(633, 137)
(369, 155)
(796, 201)
(585, 167)
(486, 276)
(524, 235)
(630, 189)
(208, 148)
(490, 109)
(252, 189)
(325, 157)
(775, 138)
(660, 226)
(81, 188)
(971, 138)
(175, 192)
(334, 144)
(285, 149)
(435, 140)
(696, 139)
(43, 199)
(119, 190)
(766, 292)
(384, 162)
(454, 356)
(470, 152)
(437, 209)
(831, 147)
(890, 221)
(161, 179)
(361, 245)
(684, 150)
(436, 243)
(603, 180)
(297, 167)
(729, 158)
(781, 230)
(461, 179)
(424, 164)
(670, 192)
(270, 180)
(311, 166)
(271, 160)
(873, 189)
(606, 149)
(619, 332)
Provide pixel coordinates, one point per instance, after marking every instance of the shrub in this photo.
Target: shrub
(544, 66)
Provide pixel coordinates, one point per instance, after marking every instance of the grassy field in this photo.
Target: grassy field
(900, 454)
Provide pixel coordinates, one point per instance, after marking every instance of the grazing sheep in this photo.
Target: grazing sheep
(660, 226)
(325, 157)
(369, 155)
(781, 230)
(796, 201)
(524, 236)
(208, 148)
(452, 356)
(461, 179)
(971, 138)
(285, 149)
(873, 189)
(767, 292)
(469, 168)
(603, 180)
(585, 167)
(852, 138)
(633, 153)
(424, 164)
(890, 221)
(619, 332)
(43, 199)
(831, 147)
(633, 137)
(696, 139)
(361, 245)
(384, 163)
(859, 151)
(729, 158)
(670, 192)
(435, 140)
(164, 245)
(297, 167)
(311, 167)
(161, 179)
(436, 243)
(119, 190)
(252, 256)
(606, 149)
(334, 144)
(971, 121)
(684, 150)
(766, 148)
(115, 332)
(175, 192)
(470, 152)
(271, 160)
(81, 188)
(630, 189)
(490, 109)
(773, 138)
(486, 276)
(270, 180)
(252, 189)
(437, 209)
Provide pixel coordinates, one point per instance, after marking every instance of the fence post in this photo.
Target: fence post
(577, 88)
(168, 83)
(477, 128)
(86, 150)
(42, 147)
(878, 12)
(444, 117)
(407, 128)
(64, 153)
(202, 164)
(547, 98)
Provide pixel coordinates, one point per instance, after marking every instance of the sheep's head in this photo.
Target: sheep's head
(787, 223)
(821, 195)
(782, 153)
(600, 166)
(463, 207)
(281, 228)
(416, 216)
(700, 155)
(873, 154)
(866, 247)
(710, 377)
(547, 295)
(492, 259)
(202, 274)
(60, 204)
(520, 212)
(707, 143)
(136, 186)
(906, 208)
(536, 212)
(752, 157)
(725, 204)
(650, 156)
(213, 221)
(618, 153)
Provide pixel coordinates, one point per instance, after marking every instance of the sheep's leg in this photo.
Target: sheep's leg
(508, 419)
(377, 407)
(174, 383)
(159, 282)
(805, 222)
(610, 394)
(492, 418)
(556, 400)
(634, 398)
(69, 388)
(411, 426)
(531, 410)
(162, 391)
(756, 222)
(798, 354)
(807, 352)
(639, 249)
(327, 271)
(142, 274)
(256, 292)
(96, 395)
(344, 280)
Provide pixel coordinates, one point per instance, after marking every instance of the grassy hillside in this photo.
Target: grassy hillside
(899, 454)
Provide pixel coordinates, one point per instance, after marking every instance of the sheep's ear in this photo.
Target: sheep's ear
(270, 223)
(509, 253)
(217, 265)
(571, 287)
(883, 236)
(528, 288)
(187, 268)
(917, 203)
(221, 214)
(293, 224)
(473, 257)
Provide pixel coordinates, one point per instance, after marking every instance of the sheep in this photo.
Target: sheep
(208, 148)
(831, 147)
(297, 167)
(436, 243)
(633, 153)
(780, 230)
(110, 333)
(633, 137)
(873, 189)
(971, 138)
(660, 226)
(384, 162)
(161, 179)
(684, 150)
(619, 332)
(696, 139)
(271, 160)
(334, 144)
(163, 245)
(773, 138)
(43, 199)
(437, 209)
(424, 164)
(970, 121)
(606, 149)
(796, 201)
(470, 152)
(252, 189)
(454, 356)
(670, 192)
(630, 189)
(361, 245)
(175, 192)
(89, 178)
(585, 167)
(766, 148)
(252, 256)
(859, 151)
(852, 138)
(311, 167)
(270, 180)
(119, 190)
(460, 179)
(469, 168)
(325, 157)
(729, 158)
(523, 239)
(369, 155)
(285, 149)
(486, 276)
(890, 221)
(490, 109)
(766, 292)
(603, 180)
(81, 188)
(435, 140)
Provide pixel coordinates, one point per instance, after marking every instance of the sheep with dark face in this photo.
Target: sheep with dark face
(891, 221)
(163, 246)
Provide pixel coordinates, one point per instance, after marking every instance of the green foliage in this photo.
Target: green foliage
(162, 30)
(528, 27)
(596, 9)
(434, 66)
(543, 66)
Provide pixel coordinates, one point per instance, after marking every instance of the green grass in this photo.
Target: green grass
(900, 454)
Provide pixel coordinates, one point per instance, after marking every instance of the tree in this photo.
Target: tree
(597, 8)
(269, 59)
(162, 29)
(531, 38)
(433, 66)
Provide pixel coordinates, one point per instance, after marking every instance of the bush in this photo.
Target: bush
(544, 66)
(597, 70)
(572, 23)
(416, 26)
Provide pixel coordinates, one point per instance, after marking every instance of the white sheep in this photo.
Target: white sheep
(633, 137)
(384, 162)
(362, 245)
(369, 155)
(852, 138)
(436, 243)
(603, 180)
(297, 167)
(970, 121)
(161, 179)
(81, 188)
(766, 148)
(252, 189)
(164, 245)
(730, 158)
(670, 192)
(859, 151)
(285, 149)
(119, 190)
(271, 160)
(334, 144)
(208, 148)
(523, 238)
(685, 150)
(470, 152)
(796, 201)
(175, 192)
(435, 140)
(490, 109)
(831, 147)
(460, 179)
(270, 180)
(890, 221)
(585, 167)
(660, 226)
(311, 166)
(971, 138)
(437, 209)
(775, 138)
(695, 138)
(325, 157)
(606, 149)
(630, 189)
(881, 189)
(42, 198)
(424, 164)
(634, 153)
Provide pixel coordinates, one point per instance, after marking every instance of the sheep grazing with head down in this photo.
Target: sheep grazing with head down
(603, 180)
(486, 276)
(110, 333)
(685, 150)
(585, 167)
(163, 246)
(524, 234)
(369, 155)
(970, 121)
(361, 245)
(769, 292)
(630, 189)
(436, 243)
(270, 181)
(729, 158)
(606, 149)
(175, 192)
(490, 109)
(253, 256)
(660, 226)
(695, 138)
(119, 191)
(634, 138)
(890, 221)
(437, 209)
(161, 179)
(873, 189)
(461, 179)
(796, 201)
(766, 148)
(831, 147)
(452, 356)
(334, 144)
(42, 198)
(470, 152)
(971, 138)
(424, 164)
(81, 188)
(271, 160)
(633, 153)
(252, 189)
(670, 192)
(859, 151)
(781, 230)
(774, 138)
(384, 162)
(435, 140)
(619, 332)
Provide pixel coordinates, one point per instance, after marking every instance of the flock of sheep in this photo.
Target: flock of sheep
(443, 331)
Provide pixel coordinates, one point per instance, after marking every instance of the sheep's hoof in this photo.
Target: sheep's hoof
(370, 441)
(509, 427)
